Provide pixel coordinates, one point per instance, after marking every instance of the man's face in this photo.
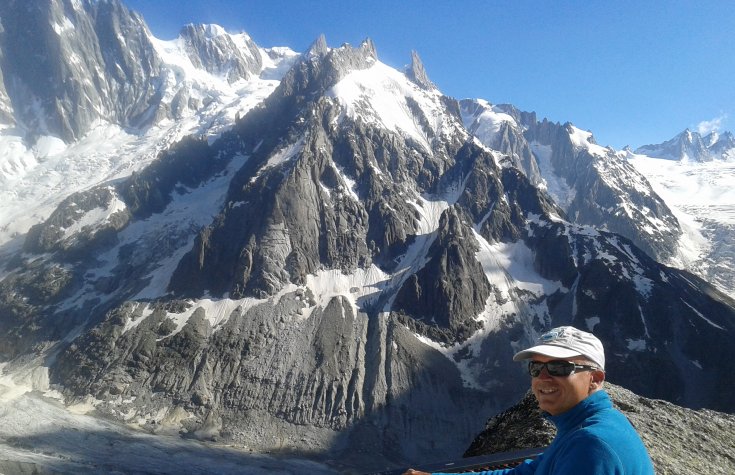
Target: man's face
(557, 394)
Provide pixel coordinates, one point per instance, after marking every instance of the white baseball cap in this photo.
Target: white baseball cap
(566, 342)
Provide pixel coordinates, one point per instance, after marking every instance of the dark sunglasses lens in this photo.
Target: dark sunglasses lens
(534, 368)
(560, 368)
(555, 368)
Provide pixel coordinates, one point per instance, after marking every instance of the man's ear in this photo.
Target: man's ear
(597, 379)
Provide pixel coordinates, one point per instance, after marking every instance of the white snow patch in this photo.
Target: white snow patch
(701, 315)
(356, 287)
(555, 185)
(430, 212)
(48, 146)
(643, 285)
(133, 323)
(636, 345)
(583, 139)
(380, 95)
(281, 156)
(511, 265)
(96, 217)
(64, 26)
(486, 124)
(216, 311)
(351, 185)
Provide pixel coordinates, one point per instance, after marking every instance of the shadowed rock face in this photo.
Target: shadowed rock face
(679, 440)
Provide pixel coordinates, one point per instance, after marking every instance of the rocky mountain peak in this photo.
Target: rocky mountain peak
(368, 46)
(727, 135)
(417, 73)
(320, 68)
(318, 48)
(724, 146)
(687, 145)
(711, 138)
(210, 48)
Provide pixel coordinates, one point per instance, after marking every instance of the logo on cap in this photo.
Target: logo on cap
(552, 335)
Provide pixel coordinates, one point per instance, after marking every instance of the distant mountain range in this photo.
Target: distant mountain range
(692, 146)
(315, 251)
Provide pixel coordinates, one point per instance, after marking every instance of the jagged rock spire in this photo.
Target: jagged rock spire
(368, 46)
(318, 47)
(417, 73)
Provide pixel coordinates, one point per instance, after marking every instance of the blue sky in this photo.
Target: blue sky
(632, 72)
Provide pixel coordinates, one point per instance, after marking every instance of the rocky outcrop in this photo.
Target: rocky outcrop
(210, 48)
(497, 127)
(679, 440)
(449, 288)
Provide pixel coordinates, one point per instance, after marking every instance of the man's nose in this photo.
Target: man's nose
(544, 374)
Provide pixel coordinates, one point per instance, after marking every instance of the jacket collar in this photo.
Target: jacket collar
(571, 419)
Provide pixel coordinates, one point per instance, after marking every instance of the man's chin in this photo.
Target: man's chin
(546, 403)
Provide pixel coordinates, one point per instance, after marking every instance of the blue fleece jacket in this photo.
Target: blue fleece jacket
(593, 438)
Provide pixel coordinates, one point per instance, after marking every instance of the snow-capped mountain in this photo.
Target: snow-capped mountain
(64, 137)
(691, 146)
(338, 259)
(701, 196)
(681, 212)
(694, 175)
(592, 184)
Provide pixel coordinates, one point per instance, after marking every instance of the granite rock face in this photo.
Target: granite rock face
(210, 48)
(417, 73)
(679, 440)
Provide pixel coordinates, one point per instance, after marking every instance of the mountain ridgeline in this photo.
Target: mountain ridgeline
(692, 146)
(350, 268)
(91, 61)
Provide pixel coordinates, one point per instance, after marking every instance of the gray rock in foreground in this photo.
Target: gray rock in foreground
(680, 441)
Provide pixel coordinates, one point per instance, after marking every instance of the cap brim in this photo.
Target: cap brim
(551, 351)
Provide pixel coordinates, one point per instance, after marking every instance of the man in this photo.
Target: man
(567, 369)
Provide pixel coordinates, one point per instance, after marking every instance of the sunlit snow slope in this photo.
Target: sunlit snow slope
(703, 198)
(35, 178)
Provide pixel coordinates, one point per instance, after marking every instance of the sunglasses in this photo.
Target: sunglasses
(557, 368)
